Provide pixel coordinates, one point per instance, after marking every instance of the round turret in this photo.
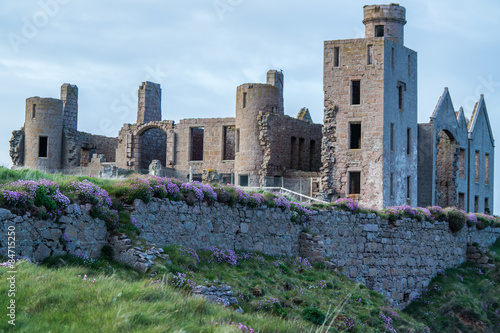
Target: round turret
(385, 21)
(43, 133)
(250, 100)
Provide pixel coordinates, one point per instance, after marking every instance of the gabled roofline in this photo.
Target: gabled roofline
(472, 123)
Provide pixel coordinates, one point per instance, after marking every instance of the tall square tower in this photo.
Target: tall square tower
(370, 121)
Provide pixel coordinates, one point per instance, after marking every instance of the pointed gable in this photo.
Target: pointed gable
(461, 120)
(304, 115)
(444, 113)
(480, 116)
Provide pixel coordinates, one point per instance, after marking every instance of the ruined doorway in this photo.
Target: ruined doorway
(446, 169)
(153, 146)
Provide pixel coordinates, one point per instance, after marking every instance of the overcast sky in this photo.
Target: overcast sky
(200, 51)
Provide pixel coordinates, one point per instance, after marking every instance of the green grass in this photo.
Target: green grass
(465, 299)
(51, 297)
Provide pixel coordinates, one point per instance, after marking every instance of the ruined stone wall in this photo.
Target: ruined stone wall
(149, 103)
(213, 146)
(16, 150)
(38, 239)
(338, 160)
(79, 147)
(69, 96)
(288, 144)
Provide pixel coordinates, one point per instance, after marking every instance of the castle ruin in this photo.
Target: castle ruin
(370, 147)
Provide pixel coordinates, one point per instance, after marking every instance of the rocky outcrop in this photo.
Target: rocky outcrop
(137, 256)
(218, 294)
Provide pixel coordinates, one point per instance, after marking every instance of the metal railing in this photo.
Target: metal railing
(284, 191)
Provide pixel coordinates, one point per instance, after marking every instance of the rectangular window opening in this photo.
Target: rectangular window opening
(355, 92)
(355, 182)
(312, 153)
(237, 140)
(243, 181)
(355, 136)
(392, 137)
(476, 204)
(408, 190)
(461, 201)
(408, 141)
(369, 54)
(336, 56)
(244, 100)
(293, 154)
(401, 90)
(42, 146)
(487, 209)
(392, 57)
(476, 167)
(302, 154)
(392, 185)
(33, 112)
(379, 31)
(487, 169)
(229, 142)
(196, 140)
(461, 163)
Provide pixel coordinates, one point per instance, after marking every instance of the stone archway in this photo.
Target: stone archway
(151, 144)
(446, 169)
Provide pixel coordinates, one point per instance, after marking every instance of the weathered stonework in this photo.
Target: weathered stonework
(16, 150)
(75, 232)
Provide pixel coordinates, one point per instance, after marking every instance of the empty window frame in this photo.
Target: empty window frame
(354, 182)
(243, 181)
(461, 163)
(354, 135)
(43, 146)
(408, 189)
(408, 141)
(293, 153)
(355, 92)
(302, 154)
(369, 54)
(401, 91)
(476, 167)
(33, 111)
(476, 204)
(461, 201)
(379, 31)
(244, 100)
(393, 57)
(487, 169)
(392, 137)
(391, 185)
(336, 56)
(237, 140)
(197, 137)
(312, 154)
(487, 209)
(229, 142)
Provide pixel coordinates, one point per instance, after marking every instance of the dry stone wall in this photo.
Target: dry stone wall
(75, 232)
(396, 258)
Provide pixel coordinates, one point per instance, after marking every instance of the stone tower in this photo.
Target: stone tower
(149, 105)
(69, 96)
(43, 133)
(251, 99)
(370, 132)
